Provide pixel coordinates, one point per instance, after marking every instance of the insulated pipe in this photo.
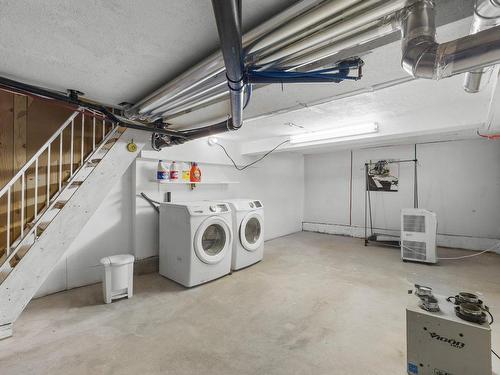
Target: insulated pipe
(213, 87)
(352, 38)
(337, 29)
(486, 15)
(423, 57)
(358, 37)
(187, 84)
(334, 18)
(214, 64)
(322, 12)
(228, 18)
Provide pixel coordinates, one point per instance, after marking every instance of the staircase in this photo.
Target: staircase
(51, 198)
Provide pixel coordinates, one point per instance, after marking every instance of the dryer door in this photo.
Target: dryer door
(251, 231)
(212, 240)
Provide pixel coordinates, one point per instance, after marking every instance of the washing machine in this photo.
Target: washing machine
(248, 227)
(195, 241)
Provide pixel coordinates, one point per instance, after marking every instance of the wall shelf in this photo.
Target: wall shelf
(192, 185)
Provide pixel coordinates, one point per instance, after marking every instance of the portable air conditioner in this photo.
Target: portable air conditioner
(418, 235)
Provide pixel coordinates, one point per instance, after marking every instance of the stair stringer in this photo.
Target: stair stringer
(25, 279)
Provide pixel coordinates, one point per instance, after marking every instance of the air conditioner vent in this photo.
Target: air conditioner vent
(414, 250)
(418, 235)
(414, 223)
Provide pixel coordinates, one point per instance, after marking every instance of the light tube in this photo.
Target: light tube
(342, 132)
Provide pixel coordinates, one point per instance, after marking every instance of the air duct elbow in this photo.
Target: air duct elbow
(423, 57)
(419, 47)
(420, 58)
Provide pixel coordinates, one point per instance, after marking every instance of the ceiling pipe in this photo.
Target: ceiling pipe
(334, 26)
(213, 65)
(384, 9)
(313, 17)
(324, 12)
(74, 100)
(351, 37)
(486, 15)
(254, 57)
(365, 34)
(228, 18)
(423, 57)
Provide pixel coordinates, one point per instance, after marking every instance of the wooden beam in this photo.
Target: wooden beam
(6, 154)
(20, 127)
(19, 158)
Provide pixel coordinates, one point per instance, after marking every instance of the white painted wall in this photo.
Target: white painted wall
(459, 180)
(119, 226)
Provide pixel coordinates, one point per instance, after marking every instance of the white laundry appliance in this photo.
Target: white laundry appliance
(195, 241)
(248, 227)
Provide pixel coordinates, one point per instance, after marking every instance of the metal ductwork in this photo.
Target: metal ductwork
(486, 15)
(423, 57)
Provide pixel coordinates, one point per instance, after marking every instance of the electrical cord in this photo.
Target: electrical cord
(248, 92)
(496, 355)
(453, 258)
(472, 255)
(487, 309)
(254, 162)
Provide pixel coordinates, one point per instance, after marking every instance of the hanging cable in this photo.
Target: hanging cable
(252, 163)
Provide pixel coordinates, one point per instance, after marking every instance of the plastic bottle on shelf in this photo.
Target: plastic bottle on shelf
(195, 173)
(186, 172)
(174, 172)
(162, 173)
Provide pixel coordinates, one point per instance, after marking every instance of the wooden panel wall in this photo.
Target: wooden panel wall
(25, 125)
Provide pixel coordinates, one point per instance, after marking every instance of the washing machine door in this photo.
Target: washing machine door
(212, 240)
(251, 231)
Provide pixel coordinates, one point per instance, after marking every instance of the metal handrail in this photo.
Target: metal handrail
(34, 161)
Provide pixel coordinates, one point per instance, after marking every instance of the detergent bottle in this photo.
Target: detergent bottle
(174, 172)
(195, 173)
(186, 172)
(162, 173)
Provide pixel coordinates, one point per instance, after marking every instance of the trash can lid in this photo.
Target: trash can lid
(117, 260)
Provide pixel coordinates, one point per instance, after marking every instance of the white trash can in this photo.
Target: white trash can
(118, 279)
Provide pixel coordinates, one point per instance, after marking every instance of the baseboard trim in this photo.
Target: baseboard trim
(443, 240)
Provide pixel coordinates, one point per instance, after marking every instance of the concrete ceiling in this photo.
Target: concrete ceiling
(414, 110)
(120, 50)
(113, 50)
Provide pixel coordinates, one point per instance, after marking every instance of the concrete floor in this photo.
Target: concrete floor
(317, 304)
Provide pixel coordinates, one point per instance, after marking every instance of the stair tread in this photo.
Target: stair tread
(60, 204)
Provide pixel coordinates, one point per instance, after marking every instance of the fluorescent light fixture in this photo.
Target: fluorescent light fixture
(342, 132)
